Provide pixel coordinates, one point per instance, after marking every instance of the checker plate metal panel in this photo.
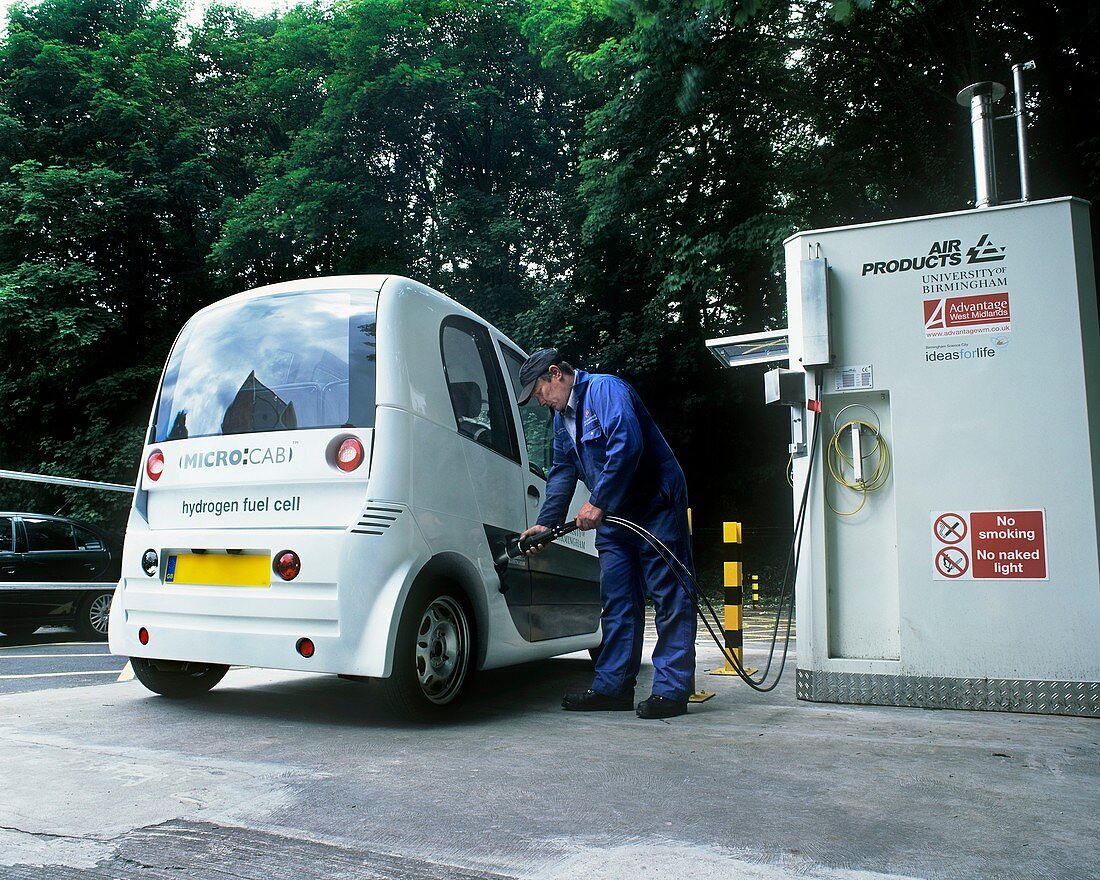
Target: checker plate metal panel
(926, 692)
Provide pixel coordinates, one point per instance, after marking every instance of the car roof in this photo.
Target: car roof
(320, 284)
(53, 516)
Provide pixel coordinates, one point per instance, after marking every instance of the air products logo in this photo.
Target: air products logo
(254, 455)
(985, 252)
(941, 254)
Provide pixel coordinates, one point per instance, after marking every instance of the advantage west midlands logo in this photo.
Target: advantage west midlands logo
(941, 255)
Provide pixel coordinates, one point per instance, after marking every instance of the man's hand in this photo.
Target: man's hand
(534, 530)
(588, 517)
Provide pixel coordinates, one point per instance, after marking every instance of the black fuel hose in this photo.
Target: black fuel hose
(684, 576)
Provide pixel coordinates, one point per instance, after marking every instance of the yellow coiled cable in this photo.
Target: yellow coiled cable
(838, 459)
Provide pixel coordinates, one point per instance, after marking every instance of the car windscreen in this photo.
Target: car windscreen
(276, 363)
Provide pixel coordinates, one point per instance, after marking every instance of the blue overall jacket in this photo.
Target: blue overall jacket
(620, 455)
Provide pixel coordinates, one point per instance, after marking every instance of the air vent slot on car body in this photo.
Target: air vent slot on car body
(376, 519)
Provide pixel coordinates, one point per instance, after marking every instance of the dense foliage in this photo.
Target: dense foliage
(613, 176)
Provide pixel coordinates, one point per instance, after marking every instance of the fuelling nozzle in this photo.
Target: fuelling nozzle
(518, 548)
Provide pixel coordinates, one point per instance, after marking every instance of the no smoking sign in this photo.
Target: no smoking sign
(989, 545)
(950, 528)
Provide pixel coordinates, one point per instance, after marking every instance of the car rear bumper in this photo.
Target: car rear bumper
(343, 600)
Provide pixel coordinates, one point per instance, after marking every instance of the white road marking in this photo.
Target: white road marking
(58, 674)
(127, 673)
(42, 656)
(73, 644)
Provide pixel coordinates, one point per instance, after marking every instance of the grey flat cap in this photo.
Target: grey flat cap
(533, 369)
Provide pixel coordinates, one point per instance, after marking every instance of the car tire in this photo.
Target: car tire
(17, 630)
(92, 615)
(433, 655)
(179, 680)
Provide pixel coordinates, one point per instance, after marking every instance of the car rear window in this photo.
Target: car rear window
(277, 363)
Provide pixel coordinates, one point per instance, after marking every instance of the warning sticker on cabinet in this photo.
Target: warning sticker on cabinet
(989, 545)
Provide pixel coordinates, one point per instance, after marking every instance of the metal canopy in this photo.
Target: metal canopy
(752, 348)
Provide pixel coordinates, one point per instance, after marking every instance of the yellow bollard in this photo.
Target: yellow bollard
(755, 588)
(734, 596)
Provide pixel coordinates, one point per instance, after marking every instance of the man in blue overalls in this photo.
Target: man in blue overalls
(604, 435)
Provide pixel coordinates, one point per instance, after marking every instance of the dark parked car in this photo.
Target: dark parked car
(54, 570)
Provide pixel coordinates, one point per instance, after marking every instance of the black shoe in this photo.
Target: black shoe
(591, 701)
(661, 707)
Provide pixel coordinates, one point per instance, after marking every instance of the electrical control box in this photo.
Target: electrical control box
(787, 387)
(813, 277)
(964, 347)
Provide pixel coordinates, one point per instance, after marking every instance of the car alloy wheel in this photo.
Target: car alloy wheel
(94, 615)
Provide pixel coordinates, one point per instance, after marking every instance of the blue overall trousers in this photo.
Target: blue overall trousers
(631, 472)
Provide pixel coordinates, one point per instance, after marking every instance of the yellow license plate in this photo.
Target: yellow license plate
(218, 569)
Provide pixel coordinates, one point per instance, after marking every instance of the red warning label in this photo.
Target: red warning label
(989, 545)
(967, 315)
(1010, 544)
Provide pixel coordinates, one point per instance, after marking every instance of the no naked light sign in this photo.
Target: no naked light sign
(974, 545)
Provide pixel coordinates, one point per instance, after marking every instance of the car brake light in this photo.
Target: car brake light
(287, 565)
(350, 455)
(154, 466)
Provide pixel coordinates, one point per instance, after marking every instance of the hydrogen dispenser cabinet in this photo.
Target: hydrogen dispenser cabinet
(950, 553)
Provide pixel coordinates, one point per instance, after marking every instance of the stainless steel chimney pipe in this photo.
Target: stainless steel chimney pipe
(1021, 127)
(980, 98)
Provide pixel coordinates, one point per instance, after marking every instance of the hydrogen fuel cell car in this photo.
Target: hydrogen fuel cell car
(332, 471)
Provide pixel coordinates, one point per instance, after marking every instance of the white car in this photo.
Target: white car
(332, 471)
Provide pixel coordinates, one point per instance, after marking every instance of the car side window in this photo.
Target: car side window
(537, 421)
(48, 534)
(86, 540)
(7, 543)
(475, 386)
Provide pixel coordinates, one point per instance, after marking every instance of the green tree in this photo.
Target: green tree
(894, 142)
(689, 131)
(441, 151)
(104, 187)
(714, 128)
(614, 176)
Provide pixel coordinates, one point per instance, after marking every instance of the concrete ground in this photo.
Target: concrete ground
(277, 775)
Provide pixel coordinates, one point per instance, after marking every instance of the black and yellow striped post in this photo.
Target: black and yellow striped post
(734, 597)
(755, 588)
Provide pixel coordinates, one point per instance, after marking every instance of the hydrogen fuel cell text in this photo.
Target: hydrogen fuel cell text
(246, 504)
(989, 545)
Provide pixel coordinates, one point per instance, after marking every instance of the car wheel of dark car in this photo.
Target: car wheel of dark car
(172, 678)
(17, 629)
(93, 614)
